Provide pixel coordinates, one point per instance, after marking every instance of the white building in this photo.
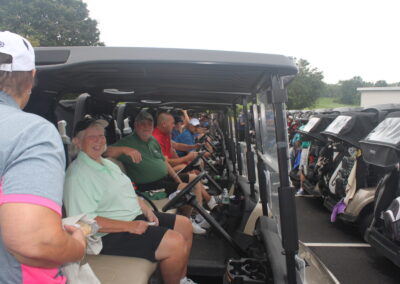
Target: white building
(379, 95)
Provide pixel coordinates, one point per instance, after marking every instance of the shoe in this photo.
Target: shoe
(204, 224)
(197, 229)
(204, 181)
(300, 192)
(172, 195)
(212, 202)
(186, 280)
(199, 218)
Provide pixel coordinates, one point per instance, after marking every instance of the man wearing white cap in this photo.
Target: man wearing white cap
(188, 135)
(33, 243)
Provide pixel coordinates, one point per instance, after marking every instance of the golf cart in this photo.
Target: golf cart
(353, 182)
(382, 148)
(319, 153)
(263, 246)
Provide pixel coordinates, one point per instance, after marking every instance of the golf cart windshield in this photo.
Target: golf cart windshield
(316, 124)
(387, 132)
(338, 124)
(382, 146)
(311, 124)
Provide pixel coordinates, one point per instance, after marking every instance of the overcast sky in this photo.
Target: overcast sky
(342, 38)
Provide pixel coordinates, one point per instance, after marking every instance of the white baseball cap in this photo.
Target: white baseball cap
(194, 122)
(21, 51)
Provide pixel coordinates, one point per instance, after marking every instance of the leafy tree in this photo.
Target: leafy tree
(50, 22)
(348, 90)
(331, 91)
(306, 87)
(381, 83)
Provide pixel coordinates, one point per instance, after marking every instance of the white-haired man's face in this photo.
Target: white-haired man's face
(92, 141)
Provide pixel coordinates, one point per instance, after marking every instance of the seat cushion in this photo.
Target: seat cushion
(121, 269)
(118, 163)
(160, 204)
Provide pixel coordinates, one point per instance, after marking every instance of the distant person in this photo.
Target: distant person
(162, 133)
(295, 154)
(241, 126)
(178, 127)
(188, 136)
(33, 243)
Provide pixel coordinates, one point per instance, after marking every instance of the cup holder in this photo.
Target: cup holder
(250, 270)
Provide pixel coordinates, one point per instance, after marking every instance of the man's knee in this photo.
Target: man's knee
(182, 185)
(171, 245)
(184, 223)
(192, 177)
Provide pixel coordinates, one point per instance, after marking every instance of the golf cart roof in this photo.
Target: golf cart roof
(316, 124)
(382, 145)
(353, 126)
(157, 74)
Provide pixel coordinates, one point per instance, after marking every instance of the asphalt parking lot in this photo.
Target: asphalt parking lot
(340, 247)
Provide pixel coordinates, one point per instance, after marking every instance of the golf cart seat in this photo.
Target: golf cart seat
(111, 269)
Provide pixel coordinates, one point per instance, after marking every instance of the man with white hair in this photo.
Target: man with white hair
(33, 243)
(97, 187)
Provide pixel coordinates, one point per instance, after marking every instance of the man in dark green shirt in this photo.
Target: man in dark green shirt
(145, 164)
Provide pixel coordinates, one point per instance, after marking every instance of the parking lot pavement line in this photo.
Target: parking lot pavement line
(346, 245)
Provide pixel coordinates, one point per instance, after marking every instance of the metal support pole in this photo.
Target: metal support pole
(287, 203)
(251, 170)
(238, 149)
(232, 152)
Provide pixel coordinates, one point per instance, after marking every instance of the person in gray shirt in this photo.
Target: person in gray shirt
(33, 243)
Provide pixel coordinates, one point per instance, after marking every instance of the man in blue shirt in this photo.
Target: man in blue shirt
(188, 136)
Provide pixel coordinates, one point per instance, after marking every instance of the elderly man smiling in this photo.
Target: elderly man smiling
(97, 187)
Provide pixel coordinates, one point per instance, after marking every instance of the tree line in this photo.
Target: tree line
(308, 86)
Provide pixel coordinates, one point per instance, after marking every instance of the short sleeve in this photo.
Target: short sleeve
(158, 147)
(36, 167)
(80, 196)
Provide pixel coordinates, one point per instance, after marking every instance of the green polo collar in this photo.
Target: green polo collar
(82, 156)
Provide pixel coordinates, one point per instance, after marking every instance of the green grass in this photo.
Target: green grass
(329, 103)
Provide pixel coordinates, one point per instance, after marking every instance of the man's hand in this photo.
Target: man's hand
(151, 217)
(197, 146)
(134, 154)
(77, 234)
(137, 227)
(191, 156)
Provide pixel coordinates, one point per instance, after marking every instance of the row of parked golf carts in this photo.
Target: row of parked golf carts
(350, 158)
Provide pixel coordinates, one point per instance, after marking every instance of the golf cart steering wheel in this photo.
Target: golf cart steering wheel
(180, 197)
(192, 164)
(203, 142)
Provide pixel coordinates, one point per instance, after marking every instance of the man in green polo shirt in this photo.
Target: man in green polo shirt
(98, 188)
(146, 165)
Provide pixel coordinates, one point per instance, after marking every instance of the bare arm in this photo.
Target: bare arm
(172, 173)
(184, 147)
(180, 160)
(116, 151)
(186, 118)
(35, 236)
(116, 226)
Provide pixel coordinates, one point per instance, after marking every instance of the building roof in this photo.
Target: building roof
(374, 89)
